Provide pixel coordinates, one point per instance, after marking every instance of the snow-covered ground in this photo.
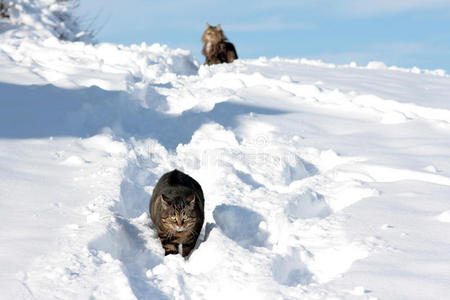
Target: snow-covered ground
(321, 181)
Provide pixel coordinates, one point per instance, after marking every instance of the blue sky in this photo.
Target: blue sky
(405, 33)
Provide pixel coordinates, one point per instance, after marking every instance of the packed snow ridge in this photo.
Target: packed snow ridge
(320, 182)
(372, 65)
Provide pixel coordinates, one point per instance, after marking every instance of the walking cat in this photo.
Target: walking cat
(177, 210)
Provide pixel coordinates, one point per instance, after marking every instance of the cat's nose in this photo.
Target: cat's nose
(179, 222)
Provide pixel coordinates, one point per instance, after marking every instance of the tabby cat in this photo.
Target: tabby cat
(216, 48)
(177, 210)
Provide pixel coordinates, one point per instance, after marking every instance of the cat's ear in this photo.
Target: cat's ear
(218, 27)
(207, 25)
(165, 199)
(190, 198)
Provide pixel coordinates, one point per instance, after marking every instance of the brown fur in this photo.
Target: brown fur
(177, 210)
(216, 48)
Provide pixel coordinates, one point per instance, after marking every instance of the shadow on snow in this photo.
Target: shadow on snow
(46, 111)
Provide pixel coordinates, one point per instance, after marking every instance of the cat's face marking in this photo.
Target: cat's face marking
(179, 214)
(213, 34)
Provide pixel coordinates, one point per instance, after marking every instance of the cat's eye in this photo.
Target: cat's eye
(173, 218)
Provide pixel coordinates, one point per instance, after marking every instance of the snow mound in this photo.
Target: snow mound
(44, 18)
(372, 65)
(108, 66)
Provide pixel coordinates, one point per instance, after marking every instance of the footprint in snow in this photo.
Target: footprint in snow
(241, 225)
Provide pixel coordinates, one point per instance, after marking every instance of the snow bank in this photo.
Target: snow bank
(108, 66)
(44, 18)
(372, 65)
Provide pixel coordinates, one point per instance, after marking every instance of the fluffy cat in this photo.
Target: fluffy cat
(177, 210)
(216, 48)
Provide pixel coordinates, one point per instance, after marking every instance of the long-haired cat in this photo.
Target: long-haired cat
(177, 210)
(216, 48)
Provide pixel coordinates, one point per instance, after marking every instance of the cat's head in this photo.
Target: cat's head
(213, 34)
(179, 213)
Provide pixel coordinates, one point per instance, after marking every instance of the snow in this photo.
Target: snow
(444, 216)
(44, 18)
(321, 181)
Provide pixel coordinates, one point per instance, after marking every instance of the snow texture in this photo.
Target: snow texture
(321, 181)
(41, 18)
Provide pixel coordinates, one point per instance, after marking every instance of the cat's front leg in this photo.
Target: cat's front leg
(187, 248)
(170, 247)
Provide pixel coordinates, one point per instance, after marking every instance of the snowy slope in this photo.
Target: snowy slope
(321, 181)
